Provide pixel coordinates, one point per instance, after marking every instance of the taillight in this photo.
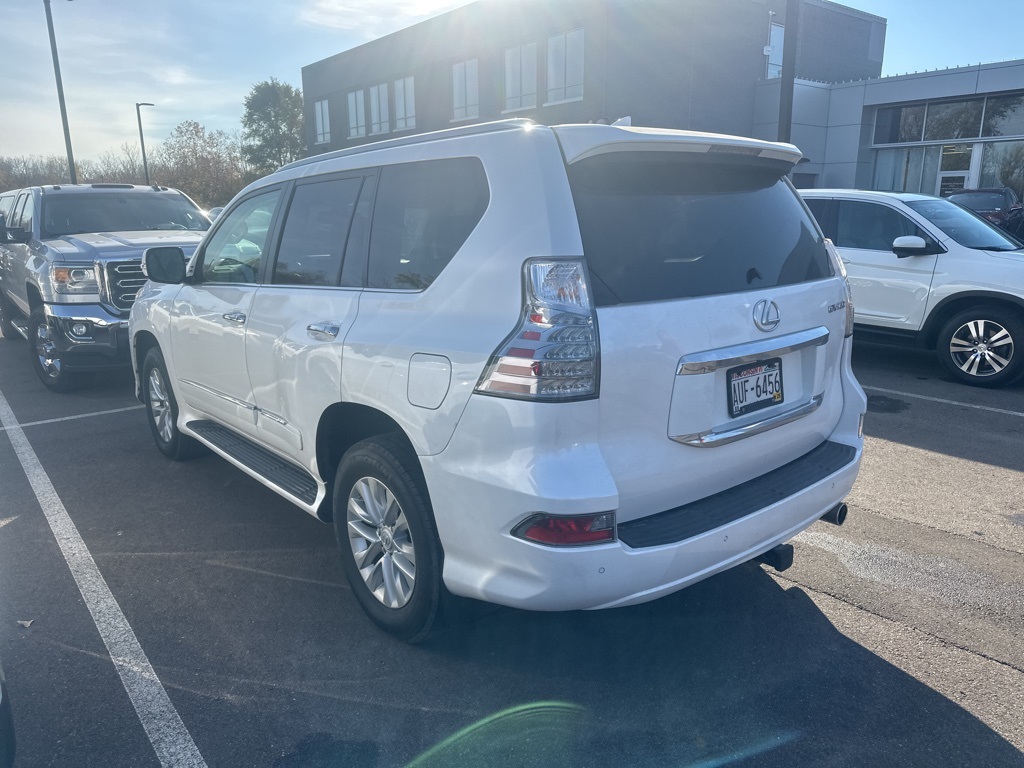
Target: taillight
(553, 354)
(562, 531)
(837, 262)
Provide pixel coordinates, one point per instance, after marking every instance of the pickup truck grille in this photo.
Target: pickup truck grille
(123, 280)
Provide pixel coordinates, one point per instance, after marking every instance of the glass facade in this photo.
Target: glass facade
(896, 125)
(959, 143)
(1002, 165)
(1004, 116)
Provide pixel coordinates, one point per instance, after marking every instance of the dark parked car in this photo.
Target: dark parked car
(998, 204)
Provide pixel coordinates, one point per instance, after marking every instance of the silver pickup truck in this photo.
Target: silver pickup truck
(70, 259)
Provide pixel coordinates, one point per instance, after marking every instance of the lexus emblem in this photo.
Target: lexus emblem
(766, 315)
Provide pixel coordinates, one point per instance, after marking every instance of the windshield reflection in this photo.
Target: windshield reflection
(965, 227)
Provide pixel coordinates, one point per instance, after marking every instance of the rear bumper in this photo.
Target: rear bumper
(105, 344)
(483, 484)
(525, 575)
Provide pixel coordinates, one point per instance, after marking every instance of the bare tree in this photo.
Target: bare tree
(124, 167)
(206, 165)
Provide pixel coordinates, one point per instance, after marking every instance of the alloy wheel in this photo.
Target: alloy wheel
(381, 542)
(160, 406)
(981, 348)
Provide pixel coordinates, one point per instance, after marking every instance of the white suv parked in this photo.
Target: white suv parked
(554, 368)
(928, 273)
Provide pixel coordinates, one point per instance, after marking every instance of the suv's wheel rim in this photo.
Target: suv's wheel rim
(46, 351)
(160, 406)
(381, 542)
(981, 348)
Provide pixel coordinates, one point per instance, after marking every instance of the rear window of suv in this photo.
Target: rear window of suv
(669, 225)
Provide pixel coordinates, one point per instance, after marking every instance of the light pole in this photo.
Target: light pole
(60, 93)
(142, 141)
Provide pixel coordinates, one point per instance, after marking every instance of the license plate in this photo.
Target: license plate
(754, 386)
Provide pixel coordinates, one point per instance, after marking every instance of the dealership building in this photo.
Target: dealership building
(705, 65)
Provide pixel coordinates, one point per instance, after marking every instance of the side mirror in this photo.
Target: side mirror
(164, 264)
(15, 235)
(909, 245)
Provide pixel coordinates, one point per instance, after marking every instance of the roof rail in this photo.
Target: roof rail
(466, 130)
(105, 185)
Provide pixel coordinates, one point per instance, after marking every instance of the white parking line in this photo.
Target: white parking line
(946, 402)
(77, 416)
(167, 733)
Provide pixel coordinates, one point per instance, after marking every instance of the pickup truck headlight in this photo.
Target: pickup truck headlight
(74, 279)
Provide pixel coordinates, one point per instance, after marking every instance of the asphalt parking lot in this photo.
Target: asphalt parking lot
(894, 640)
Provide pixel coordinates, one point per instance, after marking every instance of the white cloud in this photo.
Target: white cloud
(175, 76)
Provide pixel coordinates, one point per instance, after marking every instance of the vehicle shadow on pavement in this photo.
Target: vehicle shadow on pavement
(735, 670)
(975, 434)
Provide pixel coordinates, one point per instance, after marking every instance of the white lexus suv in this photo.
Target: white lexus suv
(553, 368)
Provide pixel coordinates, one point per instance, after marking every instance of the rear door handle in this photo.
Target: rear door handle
(323, 331)
(235, 317)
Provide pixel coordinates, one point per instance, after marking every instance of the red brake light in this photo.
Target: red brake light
(562, 531)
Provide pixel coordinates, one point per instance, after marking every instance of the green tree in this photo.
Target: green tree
(272, 125)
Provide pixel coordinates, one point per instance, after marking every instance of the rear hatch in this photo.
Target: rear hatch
(720, 315)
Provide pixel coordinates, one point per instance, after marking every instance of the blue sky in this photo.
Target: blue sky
(197, 59)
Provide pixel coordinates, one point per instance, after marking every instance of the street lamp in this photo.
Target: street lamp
(142, 141)
(60, 93)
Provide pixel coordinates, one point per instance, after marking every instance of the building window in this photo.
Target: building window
(405, 104)
(565, 66)
(953, 120)
(1003, 166)
(1004, 116)
(895, 125)
(356, 114)
(465, 90)
(379, 120)
(521, 77)
(323, 122)
(776, 39)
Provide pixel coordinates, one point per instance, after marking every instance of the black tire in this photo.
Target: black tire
(6, 327)
(162, 411)
(46, 358)
(983, 346)
(404, 528)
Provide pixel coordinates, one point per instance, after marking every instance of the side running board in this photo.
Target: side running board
(21, 326)
(285, 475)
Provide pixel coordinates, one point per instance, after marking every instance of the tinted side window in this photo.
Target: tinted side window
(236, 249)
(27, 214)
(315, 232)
(871, 227)
(820, 210)
(423, 215)
(6, 202)
(669, 225)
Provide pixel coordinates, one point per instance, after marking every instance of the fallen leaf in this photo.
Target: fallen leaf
(26, 623)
